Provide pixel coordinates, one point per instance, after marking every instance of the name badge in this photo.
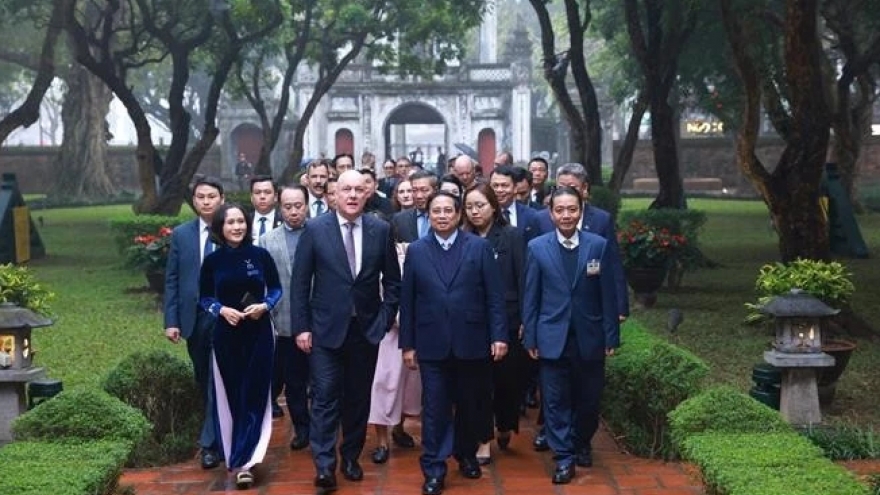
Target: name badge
(593, 267)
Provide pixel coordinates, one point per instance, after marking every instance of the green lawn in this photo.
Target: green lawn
(103, 313)
(737, 234)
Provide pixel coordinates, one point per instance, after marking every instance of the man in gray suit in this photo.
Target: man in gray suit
(190, 243)
(291, 363)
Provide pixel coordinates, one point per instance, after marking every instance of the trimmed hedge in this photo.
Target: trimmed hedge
(82, 415)
(723, 409)
(605, 198)
(44, 468)
(767, 464)
(160, 385)
(125, 229)
(645, 380)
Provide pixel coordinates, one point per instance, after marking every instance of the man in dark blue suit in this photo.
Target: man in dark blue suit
(570, 325)
(452, 324)
(339, 317)
(503, 182)
(594, 220)
(190, 243)
(413, 223)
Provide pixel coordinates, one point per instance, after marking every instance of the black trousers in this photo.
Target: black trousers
(199, 346)
(291, 374)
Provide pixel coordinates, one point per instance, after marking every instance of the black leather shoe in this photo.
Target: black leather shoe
(210, 459)
(470, 469)
(326, 480)
(584, 458)
(352, 471)
(380, 454)
(402, 439)
(503, 440)
(277, 412)
(540, 444)
(433, 486)
(299, 442)
(563, 474)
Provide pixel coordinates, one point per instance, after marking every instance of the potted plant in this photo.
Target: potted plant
(19, 288)
(645, 251)
(829, 281)
(149, 253)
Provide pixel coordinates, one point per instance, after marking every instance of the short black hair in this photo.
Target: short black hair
(456, 201)
(507, 171)
(453, 180)
(296, 187)
(220, 218)
(342, 155)
(540, 159)
(207, 181)
(366, 171)
(566, 191)
(425, 174)
(263, 178)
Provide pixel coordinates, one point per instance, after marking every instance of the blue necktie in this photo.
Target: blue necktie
(262, 226)
(319, 207)
(422, 223)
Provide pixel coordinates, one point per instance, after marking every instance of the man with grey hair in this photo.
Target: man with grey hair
(596, 221)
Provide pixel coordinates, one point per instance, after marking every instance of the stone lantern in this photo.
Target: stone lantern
(16, 362)
(797, 351)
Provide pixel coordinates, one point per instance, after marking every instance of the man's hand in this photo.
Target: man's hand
(533, 353)
(173, 334)
(499, 350)
(621, 318)
(409, 359)
(609, 351)
(304, 342)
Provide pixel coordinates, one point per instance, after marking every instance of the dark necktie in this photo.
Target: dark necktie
(506, 214)
(208, 248)
(319, 207)
(349, 248)
(262, 226)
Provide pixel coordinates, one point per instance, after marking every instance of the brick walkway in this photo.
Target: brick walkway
(519, 471)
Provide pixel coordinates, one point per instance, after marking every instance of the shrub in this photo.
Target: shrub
(648, 378)
(125, 229)
(767, 464)
(844, 442)
(608, 200)
(43, 468)
(723, 409)
(81, 415)
(686, 223)
(18, 286)
(162, 387)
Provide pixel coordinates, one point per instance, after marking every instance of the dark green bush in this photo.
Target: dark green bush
(46, 468)
(646, 379)
(723, 410)
(605, 198)
(161, 385)
(767, 464)
(125, 229)
(80, 415)
(844, 442)
(874, 483)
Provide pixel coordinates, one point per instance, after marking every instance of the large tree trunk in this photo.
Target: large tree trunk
(81, 165)
(628, 146)
(665, 144)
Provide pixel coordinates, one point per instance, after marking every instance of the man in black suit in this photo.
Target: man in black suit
(503, 182)
(266, 216)
(339, 317)
(410, 225)
(540, 170)
(523, 188)
(317, 172)
(376, 204)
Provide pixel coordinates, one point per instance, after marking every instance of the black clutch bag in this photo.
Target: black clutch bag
(247, 299)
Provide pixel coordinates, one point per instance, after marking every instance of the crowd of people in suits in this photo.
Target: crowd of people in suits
(366, 300)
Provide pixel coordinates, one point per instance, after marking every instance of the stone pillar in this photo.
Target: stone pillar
(799, 394)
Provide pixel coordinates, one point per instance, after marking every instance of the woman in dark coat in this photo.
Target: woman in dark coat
(483, 217)
(239, 285)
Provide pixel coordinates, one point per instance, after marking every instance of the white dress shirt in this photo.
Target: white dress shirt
(204, 234)
(511, 212)
(574, 240)
(255, 228)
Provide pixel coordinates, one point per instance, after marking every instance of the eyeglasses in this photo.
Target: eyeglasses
(475, 206)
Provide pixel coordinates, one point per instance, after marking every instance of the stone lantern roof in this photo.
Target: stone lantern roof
(797, 303)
